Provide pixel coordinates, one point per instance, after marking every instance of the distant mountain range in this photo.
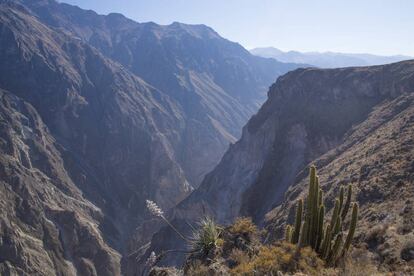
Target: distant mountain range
(327, 59)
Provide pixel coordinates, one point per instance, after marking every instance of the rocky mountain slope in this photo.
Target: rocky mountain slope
(376, 158)
(47, 227)
(355, 124)
(111, 129)
(217, 83)
(86, 140)
(327, 59)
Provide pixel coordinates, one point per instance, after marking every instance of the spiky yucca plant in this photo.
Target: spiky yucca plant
(310, 228)
(206, 237)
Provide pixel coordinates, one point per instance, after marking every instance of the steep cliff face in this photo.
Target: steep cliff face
(309, 113)
(217, 83)
(47, 227)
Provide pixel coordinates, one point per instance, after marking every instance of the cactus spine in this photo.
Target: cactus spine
(311, 227)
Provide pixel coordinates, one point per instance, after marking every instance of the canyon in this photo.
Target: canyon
(99, 113)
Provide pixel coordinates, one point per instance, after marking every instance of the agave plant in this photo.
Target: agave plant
(206, 237)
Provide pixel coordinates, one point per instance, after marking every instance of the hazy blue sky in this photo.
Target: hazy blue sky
(369, 26)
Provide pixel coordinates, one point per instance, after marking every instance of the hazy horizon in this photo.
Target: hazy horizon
(325, 52)
(371, 27)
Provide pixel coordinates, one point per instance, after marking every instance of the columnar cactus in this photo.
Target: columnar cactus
(288, 234)
(352, 227)
(311, 228)
(326, 244)
(298, 222)
(347, 203)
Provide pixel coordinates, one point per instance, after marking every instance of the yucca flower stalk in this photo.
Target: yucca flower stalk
(158, 212)
(152, 259)
(150, 263)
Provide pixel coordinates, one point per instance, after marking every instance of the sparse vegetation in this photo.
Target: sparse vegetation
(197, 268)
(311, 246)
(281, 257)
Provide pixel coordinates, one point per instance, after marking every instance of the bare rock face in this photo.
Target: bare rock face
(47, 227)
(316, 116)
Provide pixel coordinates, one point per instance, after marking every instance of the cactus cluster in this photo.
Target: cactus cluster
(312, 229)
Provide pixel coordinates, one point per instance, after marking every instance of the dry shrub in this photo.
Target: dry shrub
(237, 257)
(197, 268)
(244, 227)
(376, 236)
(243, 235)
(282, 257)
(358, 263)
(407, 251)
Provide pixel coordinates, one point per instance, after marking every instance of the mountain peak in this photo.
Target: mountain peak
(197, 30)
